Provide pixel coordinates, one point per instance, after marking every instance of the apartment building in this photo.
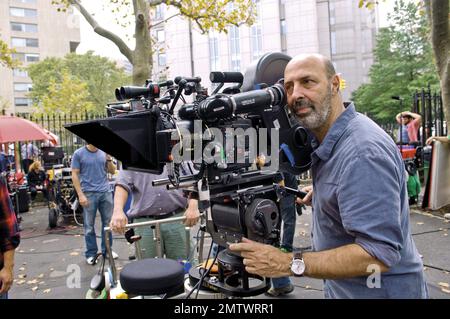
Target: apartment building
(335, 28)
(36, 30)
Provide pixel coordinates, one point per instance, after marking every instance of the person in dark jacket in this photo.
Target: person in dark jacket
(36, 180)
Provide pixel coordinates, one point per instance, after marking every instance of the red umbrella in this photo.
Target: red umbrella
(16, 129)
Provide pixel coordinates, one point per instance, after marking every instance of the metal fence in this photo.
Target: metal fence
(55, 124)
(429, 106)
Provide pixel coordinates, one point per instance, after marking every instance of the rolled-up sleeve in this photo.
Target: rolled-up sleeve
(9, 229)
(124, 179)
(369, 197)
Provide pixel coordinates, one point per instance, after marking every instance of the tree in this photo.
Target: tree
(6, 59)
(403, 63)
(438, 16)
(207, 14)
(68, 95)
(437, 12)
(99, 76)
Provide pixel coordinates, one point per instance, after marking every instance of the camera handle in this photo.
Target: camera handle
(287, 190)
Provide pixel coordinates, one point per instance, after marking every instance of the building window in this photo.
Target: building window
(23, 87)
(159, 12)
(256, 33)
(21, 101)
(214, 58)
(235, 49)
(160, 36)
(31, 57)
(333, 42)
(24, 27)
(24, 42)
(283, 31)
(19, 56)
(282, 5)
(26, 57)
(22, 12)
(162, 59)
(20, 72)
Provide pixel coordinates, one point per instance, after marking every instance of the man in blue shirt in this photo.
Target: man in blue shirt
(89, 175)
(361, 239)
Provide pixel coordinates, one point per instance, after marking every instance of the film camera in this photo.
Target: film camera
(240, 140)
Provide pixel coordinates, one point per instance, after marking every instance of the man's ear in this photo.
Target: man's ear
(335, 82)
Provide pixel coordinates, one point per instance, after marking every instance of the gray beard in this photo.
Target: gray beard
(316, 118)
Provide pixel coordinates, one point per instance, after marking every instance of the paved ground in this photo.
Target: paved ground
(48, 262)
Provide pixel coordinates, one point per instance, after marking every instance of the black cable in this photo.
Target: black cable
(197, 285)
(437, 268)
(431, 231)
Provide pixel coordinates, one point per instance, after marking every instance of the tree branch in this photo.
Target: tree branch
(165, 20)
(123, 47)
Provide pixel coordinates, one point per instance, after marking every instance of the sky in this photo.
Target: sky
(101, 46)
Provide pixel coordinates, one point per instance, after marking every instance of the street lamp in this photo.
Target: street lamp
(398, 98)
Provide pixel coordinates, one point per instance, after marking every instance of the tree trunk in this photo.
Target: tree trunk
(142, 55)
(437, 12)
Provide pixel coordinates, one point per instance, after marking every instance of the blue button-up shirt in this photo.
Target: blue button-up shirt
(360, 197)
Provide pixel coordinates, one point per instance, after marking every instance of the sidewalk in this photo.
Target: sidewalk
(48, 261)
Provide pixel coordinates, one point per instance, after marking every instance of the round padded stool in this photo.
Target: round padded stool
(153, 276)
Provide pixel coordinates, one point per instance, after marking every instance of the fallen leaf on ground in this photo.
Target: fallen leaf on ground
(445, 234)
(41, 276)
(32, 282)
(46, 291)
(42, 282)
(24, 263)
(425, 268)
(307, 287)
(446, 290)
(22, 269)
(444, 284)
(34, 288)
(50, 241)
(419, 223)
(306, 224)
(20, 282)
(74, 253)
(32, 249)
(21, 276)
(76, 235)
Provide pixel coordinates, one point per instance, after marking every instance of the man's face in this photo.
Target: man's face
(92, 147)
(309, 92)
(406, 120)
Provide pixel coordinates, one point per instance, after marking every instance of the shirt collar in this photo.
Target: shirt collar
(323, 150)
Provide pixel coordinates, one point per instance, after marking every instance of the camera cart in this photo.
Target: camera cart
(63, 198)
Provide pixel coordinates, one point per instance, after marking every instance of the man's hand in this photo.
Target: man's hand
(6, 279)
(118, 221)
(192, 213)
(307, 199)
(263, 260)
(83, 200)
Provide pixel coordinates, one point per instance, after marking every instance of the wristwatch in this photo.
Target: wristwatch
(297, 264)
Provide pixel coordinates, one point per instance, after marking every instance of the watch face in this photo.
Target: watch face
(298, 267)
